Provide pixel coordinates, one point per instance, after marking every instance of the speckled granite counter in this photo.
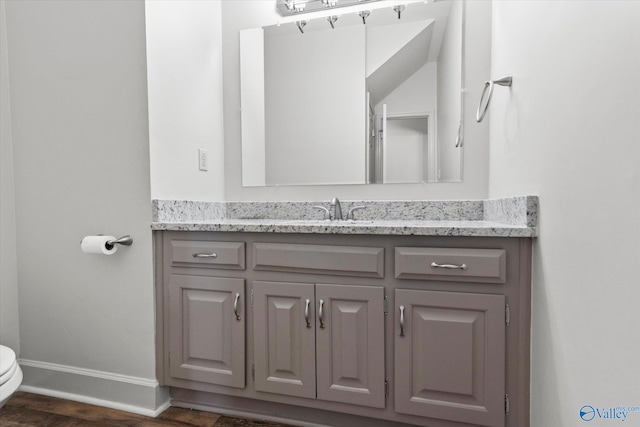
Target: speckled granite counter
(509, 217)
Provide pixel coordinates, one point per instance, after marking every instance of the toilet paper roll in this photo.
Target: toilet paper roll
(98, 245)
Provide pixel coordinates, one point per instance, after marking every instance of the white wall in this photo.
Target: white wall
(406, 150)
(252, 106)
(568, 130)
(245, 14)
(384, 41)
(409, 143)
(184, 60)
(310, 117)
(9, 334)
(449, 99)
(81, 162)
(417, 94)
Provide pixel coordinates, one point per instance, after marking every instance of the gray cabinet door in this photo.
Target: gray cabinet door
(207, 330)
(284, 343)
(450, 356)
(350, 344)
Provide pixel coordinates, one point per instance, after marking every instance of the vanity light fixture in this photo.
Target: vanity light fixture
(324, 9)
(294, 7)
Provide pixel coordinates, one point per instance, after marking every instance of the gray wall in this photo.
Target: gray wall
(81, 166)
(9, 335)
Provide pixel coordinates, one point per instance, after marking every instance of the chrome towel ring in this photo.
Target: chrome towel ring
(505, 81)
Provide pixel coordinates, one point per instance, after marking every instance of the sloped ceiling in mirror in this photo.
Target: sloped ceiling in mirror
(404, 56)
(401, 49)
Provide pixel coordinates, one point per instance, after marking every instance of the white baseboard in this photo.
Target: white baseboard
(122, 392)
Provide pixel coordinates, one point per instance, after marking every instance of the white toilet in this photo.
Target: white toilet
(10, 374)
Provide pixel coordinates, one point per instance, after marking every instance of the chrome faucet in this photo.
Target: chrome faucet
(336, 208)
(327, 214)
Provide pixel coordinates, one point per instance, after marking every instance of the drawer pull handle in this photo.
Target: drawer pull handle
(235, 307)
(449, 266)
(402, 320)
(321, 314)
(306, 312)
(211, 255)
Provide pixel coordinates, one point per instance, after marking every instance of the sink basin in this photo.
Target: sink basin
(307, 221)
(326, 222)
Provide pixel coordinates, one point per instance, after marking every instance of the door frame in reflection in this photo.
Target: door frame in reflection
(382, 170)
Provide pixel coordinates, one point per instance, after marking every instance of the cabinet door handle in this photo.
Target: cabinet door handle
(211, 255)
(321, 314)
(402, 320)
(235, 306)
(449, 266)
(306, 312)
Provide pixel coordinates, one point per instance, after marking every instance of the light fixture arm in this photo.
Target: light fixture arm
(364, 15)
(399, 9)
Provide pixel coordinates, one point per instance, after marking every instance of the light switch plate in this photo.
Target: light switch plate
(203, 159)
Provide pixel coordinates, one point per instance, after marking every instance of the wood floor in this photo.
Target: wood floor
(26, 409)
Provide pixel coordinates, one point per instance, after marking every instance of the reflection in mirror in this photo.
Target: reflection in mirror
(354, 104)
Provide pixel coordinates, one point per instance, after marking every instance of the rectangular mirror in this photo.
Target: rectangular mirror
(368, 102)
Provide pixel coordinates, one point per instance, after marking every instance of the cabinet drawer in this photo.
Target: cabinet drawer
(335, 260)
(189, 253)
(453, 264)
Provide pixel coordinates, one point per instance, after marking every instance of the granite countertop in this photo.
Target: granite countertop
(508, 217)
(398, 227)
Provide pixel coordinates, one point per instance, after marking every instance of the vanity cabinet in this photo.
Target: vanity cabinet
(450, 356)
(206, 340)
(207, 330)
(346, 330)
(451, 345)
(321, 341)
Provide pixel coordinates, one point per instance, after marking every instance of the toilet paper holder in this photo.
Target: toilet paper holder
(124, 241)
